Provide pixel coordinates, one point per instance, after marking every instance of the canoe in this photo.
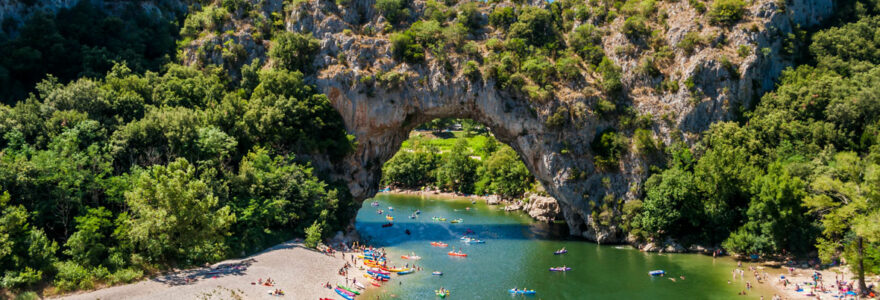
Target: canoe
(522, 292)
(439, 244)
(404, 272)
(391, 208)
(474, 241)
(560, 269)
(395, 270)
(656, 272)
(389, 218)
(414, 257)
(348, 289)
(418, 211)
(376, 270)
(374, 274)
(457, 254)
(456, 221)
(560, 252)
(438, 273)
(345, 294)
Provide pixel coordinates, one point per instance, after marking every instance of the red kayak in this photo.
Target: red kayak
(375, 283)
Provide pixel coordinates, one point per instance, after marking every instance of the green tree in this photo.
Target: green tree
(175, 217)
(846, 198)
(457, 172)
(671, 205)
(726, 12)
(26, 254)
(506, 174)
(294, 51)
(395, 11)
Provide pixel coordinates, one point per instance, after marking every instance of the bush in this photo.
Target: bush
(587, 42)
(404, 48)
(539, 69)
(557, 119)
(72, 276)
(726, 12)
(634, 27)
(608, 147)
(27, 296)
(126, 275)
(535, 26)
(568, 67)
(395, 11)
(313, 235)
(471, 70)
(470, 17)
(501, 17)
(690, 42)
(610, 76)
(744, 51)
(294, 51)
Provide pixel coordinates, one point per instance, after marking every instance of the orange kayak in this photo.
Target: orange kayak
(439, 244)
(457, 254)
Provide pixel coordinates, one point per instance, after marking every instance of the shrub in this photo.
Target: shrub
(610, 76)
(635, 27)
(557, 119)
(690, 42)
(404, 48)
(313, 235)
(698, 5)
(471, 70)
(539, 69)
(294, 51)
(395, 11)
(604, 106)
(587, 42)
(535, 26)
(501, 17)
(726, 12)
(608, 147)
(644, 140)
(469, 16)
(744, 51)
(126, 275)
(72, 276)
(568, 67)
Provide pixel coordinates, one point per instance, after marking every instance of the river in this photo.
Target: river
(518, 253)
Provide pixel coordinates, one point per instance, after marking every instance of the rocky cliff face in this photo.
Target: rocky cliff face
(560, 157)
(713, 82)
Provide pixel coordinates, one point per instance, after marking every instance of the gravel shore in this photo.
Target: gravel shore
(300, 272)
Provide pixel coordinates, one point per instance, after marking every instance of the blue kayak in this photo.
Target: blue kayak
(522, 292)
(345, 294)
(656, 272)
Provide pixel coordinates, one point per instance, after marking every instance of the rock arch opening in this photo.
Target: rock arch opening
(558, 153)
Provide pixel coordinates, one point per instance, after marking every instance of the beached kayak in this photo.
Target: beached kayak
(378, 278)
(375, 283)
(439, 244)
(404, 272)
(359, 285)
(376, 270)
(560, 269)
(656, 272)
(345, 294)
(374, 274)
(521, 292)
(457, 254)
(348, 289)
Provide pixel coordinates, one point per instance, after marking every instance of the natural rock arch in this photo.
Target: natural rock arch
(355, 70)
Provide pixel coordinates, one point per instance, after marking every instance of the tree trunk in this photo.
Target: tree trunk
(861, 271)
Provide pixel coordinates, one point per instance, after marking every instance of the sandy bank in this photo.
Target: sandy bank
(300, 272)
(803, 278)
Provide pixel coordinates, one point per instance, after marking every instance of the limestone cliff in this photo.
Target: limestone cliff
(734, 66)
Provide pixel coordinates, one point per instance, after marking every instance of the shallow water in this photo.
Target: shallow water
(518, 253)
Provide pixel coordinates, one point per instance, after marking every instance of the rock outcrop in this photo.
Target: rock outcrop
(381, 115)
(541, 208)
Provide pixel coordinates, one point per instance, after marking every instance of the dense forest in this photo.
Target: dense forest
(473, 163)
(119, 161)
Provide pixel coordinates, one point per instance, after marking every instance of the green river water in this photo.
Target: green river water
(518, 253)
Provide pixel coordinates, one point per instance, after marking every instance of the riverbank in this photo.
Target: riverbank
(799, 278)
(297, 271)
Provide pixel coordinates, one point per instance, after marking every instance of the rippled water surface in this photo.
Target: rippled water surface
(518, 253)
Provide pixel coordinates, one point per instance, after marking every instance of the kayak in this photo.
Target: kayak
(416, 257)
(560, 269)
(374, 283)
(389, 218)
(441, 293)
(404, 272)
(656, 272)
(563, 251)
(374, 274)
(359, 285)
(387, 225)
(345, 294)
(374, 203)
(395, 270)
(522, 292)
(474, 241)
(457, 254)
(348, 289)
(456, 221)
(376, 270)
(418, 211)
(439, 244)
(391, 208)
(438, 273)
(378, 278)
